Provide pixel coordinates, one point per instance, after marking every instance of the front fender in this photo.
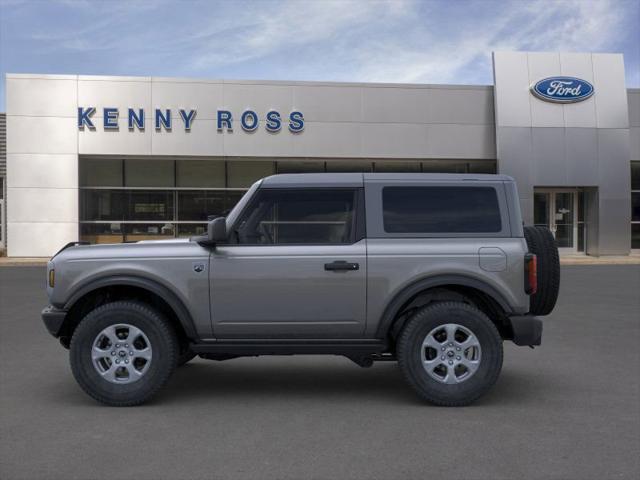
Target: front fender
(172, 299)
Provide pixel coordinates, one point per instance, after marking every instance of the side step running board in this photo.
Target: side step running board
(244, 347)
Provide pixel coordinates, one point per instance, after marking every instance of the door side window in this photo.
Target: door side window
(297, 216)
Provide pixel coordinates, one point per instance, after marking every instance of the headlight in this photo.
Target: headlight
(52, 278)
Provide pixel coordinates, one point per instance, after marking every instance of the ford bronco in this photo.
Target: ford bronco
(433, 271)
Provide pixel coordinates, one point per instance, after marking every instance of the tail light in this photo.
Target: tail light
(530, 273)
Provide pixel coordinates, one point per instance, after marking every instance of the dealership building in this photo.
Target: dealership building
(114, 159)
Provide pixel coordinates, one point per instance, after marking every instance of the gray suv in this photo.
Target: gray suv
(431, 270)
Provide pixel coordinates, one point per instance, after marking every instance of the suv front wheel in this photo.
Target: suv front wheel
(123, 352)
(450, 353)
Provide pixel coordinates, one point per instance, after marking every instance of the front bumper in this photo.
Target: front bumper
(527, 330)
(53, 319)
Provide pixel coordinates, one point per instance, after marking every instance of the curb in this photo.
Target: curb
(22, 262)
(630, 260)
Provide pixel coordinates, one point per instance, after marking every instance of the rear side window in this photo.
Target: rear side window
(441, 210)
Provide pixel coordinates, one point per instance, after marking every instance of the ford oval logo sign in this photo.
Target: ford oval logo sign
(562, 89)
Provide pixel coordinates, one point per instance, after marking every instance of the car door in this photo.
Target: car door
(294, 267)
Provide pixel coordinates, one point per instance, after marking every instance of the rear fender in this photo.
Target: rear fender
(401, 299)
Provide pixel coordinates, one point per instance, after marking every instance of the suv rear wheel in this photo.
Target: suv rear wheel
(450, 353)
(123, 352)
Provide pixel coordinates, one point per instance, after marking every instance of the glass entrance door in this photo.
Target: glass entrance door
(557, 210)
(564, 219)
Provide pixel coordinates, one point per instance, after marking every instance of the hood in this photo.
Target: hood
(142, 248)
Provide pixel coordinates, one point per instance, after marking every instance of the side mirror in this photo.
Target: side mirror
(217, 230)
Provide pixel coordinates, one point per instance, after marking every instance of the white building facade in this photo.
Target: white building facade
(112, 159)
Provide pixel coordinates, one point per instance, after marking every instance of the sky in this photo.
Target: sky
(403, 41)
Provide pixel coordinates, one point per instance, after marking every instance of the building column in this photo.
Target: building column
(42, 164)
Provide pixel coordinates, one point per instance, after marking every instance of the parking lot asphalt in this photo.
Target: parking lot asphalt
(569, 409)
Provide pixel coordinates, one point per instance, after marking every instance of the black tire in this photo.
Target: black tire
(164, 347)
(185, 356)
(541, 242)
(409, 351)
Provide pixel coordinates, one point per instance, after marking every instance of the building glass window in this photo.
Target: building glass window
(453, 166)
(149, 205)
(102, 205)
(103, 172)
(200, 174)
(635, 235)
(191, 229)
(397, 167)
(149, 173)
(582, 223)
(635, 175)
(199, 205)
(481, 166)
(440, 166)
(2, 220)
(243, 174)
(129, 199)
(348, 166)
(134, 232)
(635, 205)
(286, 166)
(106, 232)
(541, 209)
